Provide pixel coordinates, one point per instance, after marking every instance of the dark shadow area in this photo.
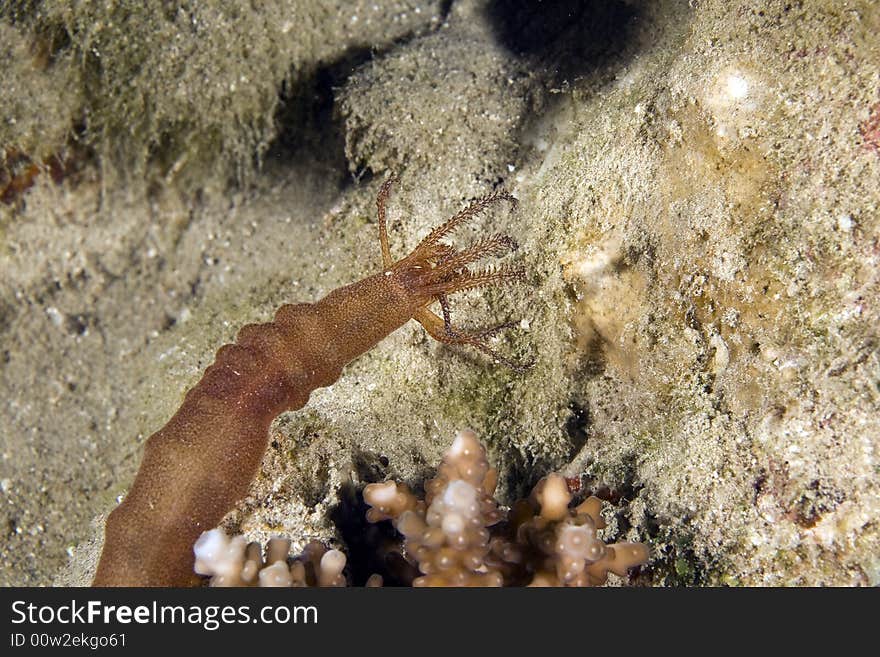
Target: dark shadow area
(563, 38)
(577, 426)
(372, 548)
(518, 473)
(309, 130)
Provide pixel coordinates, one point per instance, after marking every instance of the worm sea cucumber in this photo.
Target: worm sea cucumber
(200, 464)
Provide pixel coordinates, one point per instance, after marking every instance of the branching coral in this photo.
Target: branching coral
(551, 544)
(457, 535)
(447, 534)
(233, 562)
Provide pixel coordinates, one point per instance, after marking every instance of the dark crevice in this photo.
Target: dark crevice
(310, 129)
(564, 39)
(577, 426)
(372, 548)
(566, 46)
(445, 8)
(519, 473)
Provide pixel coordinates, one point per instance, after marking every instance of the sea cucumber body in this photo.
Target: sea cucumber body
(202, 461)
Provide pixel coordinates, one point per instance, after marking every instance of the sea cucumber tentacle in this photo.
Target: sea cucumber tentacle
(200, 464)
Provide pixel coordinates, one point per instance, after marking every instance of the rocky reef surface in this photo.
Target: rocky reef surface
(699, 185)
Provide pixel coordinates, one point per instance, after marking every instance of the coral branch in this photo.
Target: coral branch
(458, 535)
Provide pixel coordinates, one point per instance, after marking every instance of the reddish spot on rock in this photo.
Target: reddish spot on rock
(19, 171)
(870, 129)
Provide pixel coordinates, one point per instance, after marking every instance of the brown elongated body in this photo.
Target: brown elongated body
(202, 461)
